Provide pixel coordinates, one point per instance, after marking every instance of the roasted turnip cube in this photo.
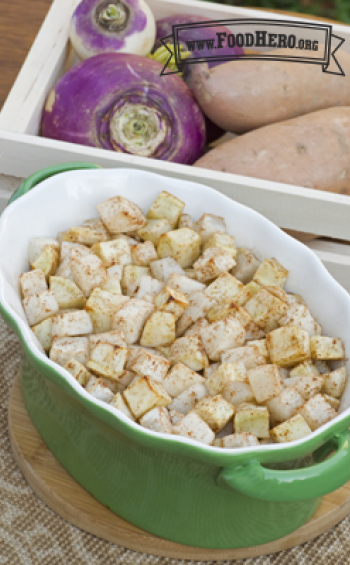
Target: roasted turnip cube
(212, 263)
(158, 420)
(88, 271)
(79, 372)
(334, 382)
(195, 329)
(222, 240)
(132, 273)
(98, 389)
(179, 378)
(199, 305)
(183, 245)
(145, 394)
(175, 416)
(115, 252)
(112, 284)
(166, 206)
(298, 315)
(37, 245)
(48, 261)
(285, 405)
(249, 355)
(159, 330)
(154, 229)
(221, 336)
(101, 305)
(185, 221)
(87, 234)
(237, 392)
(148, 364)
(114, 338)
(270, 273)
(173, 301)
(107, 360)
(163, 268)
(246, 266)
(215, 411)
(121, 215)
(242, 439)
(209, 224)
(229, 308)
(288, 346)
(145, 286)
(262, 347)
(227, 287)
(225, 373)
(293, 429)
(304, 369)
(193, 427)
(253, 287)
(43, 332)
(327, 348)
(38, 307)
(253, 419)
(334, 402)
(143, 254)
(119, 403)
(309, 386)
(67, 293)
(32, 282)
(71, 324)
(184, 284)
(317, 411)
(64, 348)
(131, 319)
(190, 351)
(266, 309)
(265, 382)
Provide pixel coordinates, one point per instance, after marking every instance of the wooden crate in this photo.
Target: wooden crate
(23, 151)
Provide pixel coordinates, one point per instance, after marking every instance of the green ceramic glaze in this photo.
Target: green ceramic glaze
(182, 492)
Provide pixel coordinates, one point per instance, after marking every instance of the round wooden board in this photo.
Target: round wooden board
(56, 488)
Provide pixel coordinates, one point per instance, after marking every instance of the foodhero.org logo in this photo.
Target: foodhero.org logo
(302, 42)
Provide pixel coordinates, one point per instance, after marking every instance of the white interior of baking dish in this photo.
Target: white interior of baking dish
(70, 198)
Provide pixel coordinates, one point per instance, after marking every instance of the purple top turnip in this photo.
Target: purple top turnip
(100, 26)
(120, 102)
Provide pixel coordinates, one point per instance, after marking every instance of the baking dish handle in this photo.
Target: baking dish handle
(43, 174)
(314, 481)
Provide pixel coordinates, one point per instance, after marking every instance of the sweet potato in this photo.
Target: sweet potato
(312, 151)
(240, 96)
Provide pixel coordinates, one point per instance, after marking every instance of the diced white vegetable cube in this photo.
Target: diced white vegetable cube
(184, 284)
(285, 405)
(288, 346)
(37, 245)
(32, 282)
(64, 348)
(144, 253)
(242, 439)
(101, 305)
(47, 261)
(270, 273)
(265, 382)
(107, 360)
(309, 386)
(298, 315)
(195, 329)
(119, 403)
(334, 382)
(154, 229)
(145, 394)
(183, 245)
(185, 221)
(225, 373)
(179, 378)
(266, 309)
(215, 411)
(188, 398)
(317, 411)
(222, 240)
(148, 364)
(115, 271)
(79, 372)
(246, 266)
(87, 234)
(173, 301)
(166, 206)
(43, 332)
(291, 430)
(159, 330)
(71, 324)
(262, 347)
(237, 392)
(144, 286)
(193, 427)
(249, 355)
(131, 319)
(38, 307)
(227, 287)
(157, 420)
(112, 284)
(120, 215)
(199, 305)
(190, 351)
(209, 224)
(88, 271)
(175, 416)
(115, 252)
(67, 293)
(212, 263)
(253, 419)
(114, 338)
(98, 389)
(222, 335)
(326, 348)
(334, 402)
(304, 369)
(163, 268)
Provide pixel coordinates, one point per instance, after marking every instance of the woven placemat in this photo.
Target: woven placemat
(31, 534)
